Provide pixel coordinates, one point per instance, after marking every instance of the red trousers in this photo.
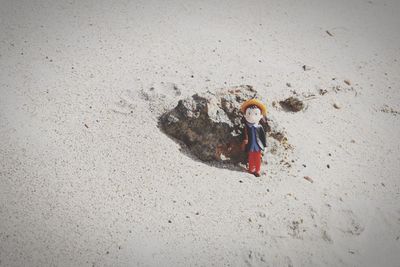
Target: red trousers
(254, 158)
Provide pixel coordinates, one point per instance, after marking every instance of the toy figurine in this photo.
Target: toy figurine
(254, 141)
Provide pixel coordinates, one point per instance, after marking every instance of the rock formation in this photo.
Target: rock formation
(210, 124)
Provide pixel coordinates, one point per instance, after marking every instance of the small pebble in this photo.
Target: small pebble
(308, 178)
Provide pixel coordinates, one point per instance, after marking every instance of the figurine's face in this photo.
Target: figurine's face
(253, 115)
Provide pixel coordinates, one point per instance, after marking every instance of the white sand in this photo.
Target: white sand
(102, 195)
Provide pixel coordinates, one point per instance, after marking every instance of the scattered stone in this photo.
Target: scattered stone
(329, 33)
(336, 105)
(322, 91)
(305, 67)
(308, 178)
(327, 165)
(86, 126)
(288, 85)
(169, 221)
(347, 82)
(292, 104)
(387, 109)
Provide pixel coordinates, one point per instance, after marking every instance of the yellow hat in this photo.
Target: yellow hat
(255, 102)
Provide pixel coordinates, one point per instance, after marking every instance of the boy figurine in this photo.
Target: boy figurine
(254, 141)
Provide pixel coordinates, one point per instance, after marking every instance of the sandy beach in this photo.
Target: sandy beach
(88, 179)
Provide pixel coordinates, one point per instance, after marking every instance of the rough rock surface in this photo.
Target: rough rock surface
(292, 104)
(210, 124)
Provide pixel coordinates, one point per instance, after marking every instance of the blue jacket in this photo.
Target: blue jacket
(255, 137)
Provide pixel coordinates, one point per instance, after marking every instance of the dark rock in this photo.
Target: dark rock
(210, 124)
(322, 91)
(292, 104)
(336, 105)
(308, 178)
